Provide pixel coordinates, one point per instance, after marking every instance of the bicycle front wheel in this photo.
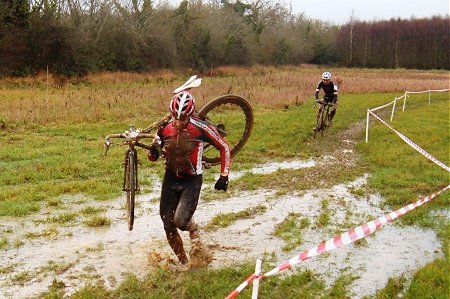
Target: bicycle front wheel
(130, 186)
(233, 117)
(319, 123)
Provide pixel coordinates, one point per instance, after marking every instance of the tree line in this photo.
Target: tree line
(74, 37)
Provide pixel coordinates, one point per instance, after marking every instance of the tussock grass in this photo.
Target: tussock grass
(49, 232)
(90, 210)
(97, 221)
(3, 243)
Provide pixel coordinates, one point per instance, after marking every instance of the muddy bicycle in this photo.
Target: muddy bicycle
(131, 162)
(230, 114)
(323, 120)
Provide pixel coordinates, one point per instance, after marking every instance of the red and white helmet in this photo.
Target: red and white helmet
(182, 104)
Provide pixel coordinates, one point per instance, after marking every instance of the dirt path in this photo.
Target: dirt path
(76, 255)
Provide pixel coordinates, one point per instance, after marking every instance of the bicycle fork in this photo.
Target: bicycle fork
(125, 163)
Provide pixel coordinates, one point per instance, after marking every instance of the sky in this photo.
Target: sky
(339, 11)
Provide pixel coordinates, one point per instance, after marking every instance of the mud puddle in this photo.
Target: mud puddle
(76, 255)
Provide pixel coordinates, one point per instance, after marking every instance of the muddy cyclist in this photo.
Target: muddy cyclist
(181, 142)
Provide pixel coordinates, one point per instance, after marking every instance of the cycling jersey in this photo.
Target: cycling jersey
(183, 149)
(330, 90)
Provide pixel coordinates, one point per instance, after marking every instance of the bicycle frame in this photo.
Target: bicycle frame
(323, 117)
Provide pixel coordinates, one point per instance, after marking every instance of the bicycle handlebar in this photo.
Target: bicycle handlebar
(322, 102)
(131, 136)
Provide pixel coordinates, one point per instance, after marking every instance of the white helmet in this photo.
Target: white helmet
(326, 76)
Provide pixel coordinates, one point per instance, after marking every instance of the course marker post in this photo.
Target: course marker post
(256, 281)
(367, 125)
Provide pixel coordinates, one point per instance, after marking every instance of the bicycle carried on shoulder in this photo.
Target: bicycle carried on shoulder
(323, 120)
(230, 114)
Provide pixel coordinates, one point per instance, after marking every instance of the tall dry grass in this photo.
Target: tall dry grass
(49, 99)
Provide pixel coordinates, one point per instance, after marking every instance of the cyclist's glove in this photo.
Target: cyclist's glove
(222, 183)
(154, 151)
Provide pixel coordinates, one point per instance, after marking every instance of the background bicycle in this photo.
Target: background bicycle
(323, 120)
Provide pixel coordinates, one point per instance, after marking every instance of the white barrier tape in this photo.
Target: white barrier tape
(241, 287)
(385, 105)
(412, 144)
(431, 90)
(339, 241)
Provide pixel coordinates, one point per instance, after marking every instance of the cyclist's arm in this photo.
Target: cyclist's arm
(319, 86)
(212, 136)
(225, 153)
(335, 93)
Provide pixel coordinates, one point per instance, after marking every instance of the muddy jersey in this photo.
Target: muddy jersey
(330, 90)
(183, 149)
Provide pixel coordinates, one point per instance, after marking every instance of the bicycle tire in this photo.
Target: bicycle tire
(319, 124)
(233, 116)
(323, 125)
(130, 187)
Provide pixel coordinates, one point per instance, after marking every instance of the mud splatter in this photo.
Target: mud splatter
(200, 256)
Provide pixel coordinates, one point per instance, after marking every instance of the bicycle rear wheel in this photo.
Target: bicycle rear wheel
(130, 186)
(233, 117)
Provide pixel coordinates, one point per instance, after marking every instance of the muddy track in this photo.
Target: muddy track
(74, 255)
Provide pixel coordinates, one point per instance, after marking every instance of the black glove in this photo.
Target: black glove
(222, 183)
(154, 150)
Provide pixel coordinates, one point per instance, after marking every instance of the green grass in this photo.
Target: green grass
(49, 161)
(324, 216)
(290, 230)
(400, 173)
(226, 219)
(56, 160)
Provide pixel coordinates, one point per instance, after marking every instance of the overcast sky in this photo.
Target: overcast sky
(339, 11)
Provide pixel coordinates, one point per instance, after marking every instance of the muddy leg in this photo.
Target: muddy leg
(332, 113)
(194, 233)
(175, 241)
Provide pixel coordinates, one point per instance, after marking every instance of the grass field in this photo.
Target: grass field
(52, 146)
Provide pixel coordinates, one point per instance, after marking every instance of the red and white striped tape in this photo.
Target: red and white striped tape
(411, 143)
(339, 241)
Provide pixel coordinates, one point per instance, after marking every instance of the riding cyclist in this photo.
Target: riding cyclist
(181, 143)
(330, 93)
